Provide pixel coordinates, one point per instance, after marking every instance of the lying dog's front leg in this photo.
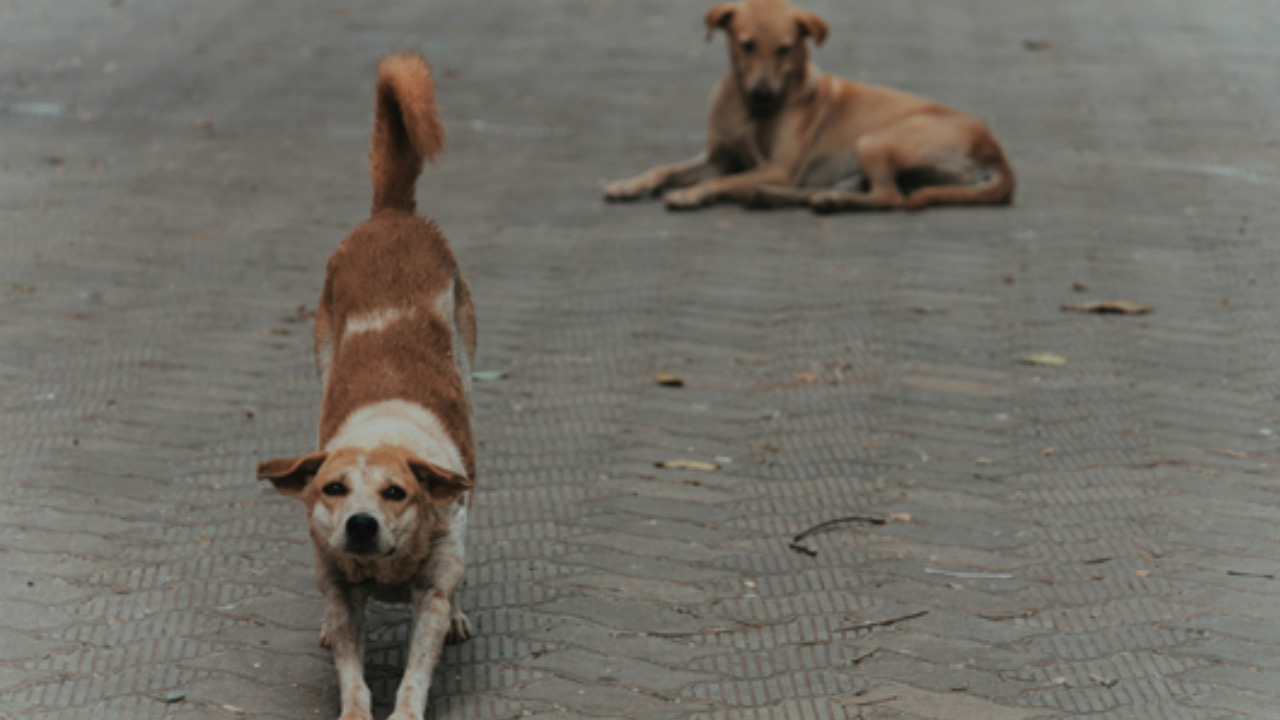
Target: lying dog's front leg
(662, 177)
(743, 188)
(344, 626)
(775, 196)
(433, 620)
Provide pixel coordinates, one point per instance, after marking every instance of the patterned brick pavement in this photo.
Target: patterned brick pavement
(1093, 540)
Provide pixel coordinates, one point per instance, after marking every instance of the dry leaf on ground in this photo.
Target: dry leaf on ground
(1114, 306)
(900, 517)
(699, 465)
(806, 377)
(1050, 359)
(666, 379)
(488, 375)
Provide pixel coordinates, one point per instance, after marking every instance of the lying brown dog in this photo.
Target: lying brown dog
(388, 491)
(783, 133)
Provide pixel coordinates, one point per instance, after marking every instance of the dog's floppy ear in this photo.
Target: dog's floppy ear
(719, 17)
(291, 475)
(443, 486)
(812, 25)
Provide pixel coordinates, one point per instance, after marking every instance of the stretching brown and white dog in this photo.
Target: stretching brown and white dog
(783, 133)
(388, 491)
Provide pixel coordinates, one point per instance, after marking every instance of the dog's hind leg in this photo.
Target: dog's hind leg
(876, 158)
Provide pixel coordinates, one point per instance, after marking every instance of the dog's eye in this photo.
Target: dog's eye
(783, 50)
(335, 489)
(395, 493)
(749, 46)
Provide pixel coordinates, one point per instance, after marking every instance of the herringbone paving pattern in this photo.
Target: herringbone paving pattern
(1093, 540)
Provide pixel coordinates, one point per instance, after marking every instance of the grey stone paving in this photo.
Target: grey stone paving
(1093, 540)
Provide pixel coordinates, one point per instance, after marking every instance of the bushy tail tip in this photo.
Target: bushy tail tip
(406, 130)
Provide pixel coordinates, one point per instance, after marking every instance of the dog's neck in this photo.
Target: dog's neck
(403, 424)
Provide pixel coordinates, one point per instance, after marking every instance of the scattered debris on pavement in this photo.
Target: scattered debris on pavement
(883, 622)
(963, 575)
(699, 465)
(487, 375)
(797, 543)
(1114, 306)
(1044, 357)
(666, 379)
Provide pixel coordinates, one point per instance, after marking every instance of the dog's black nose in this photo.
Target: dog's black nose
(361, 529)
(762, 97)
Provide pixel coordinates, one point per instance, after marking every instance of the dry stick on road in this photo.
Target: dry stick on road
(881, 623)
(797, 541)
(857, 659)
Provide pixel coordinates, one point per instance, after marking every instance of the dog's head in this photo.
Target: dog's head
(366, 503)
(767, 47)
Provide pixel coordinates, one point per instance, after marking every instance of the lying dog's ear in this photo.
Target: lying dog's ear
(719, 17)
(444, 486)
(291, 475)
(813, 26)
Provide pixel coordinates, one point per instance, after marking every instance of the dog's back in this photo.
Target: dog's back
(395, 320)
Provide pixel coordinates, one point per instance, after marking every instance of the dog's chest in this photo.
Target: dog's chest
(387, 580)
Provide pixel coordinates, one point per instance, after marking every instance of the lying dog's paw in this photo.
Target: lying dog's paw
(826, 201)
(685, 199)
(459, 627)
(620, 190)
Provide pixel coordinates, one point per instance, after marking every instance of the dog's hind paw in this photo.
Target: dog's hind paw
(326, 642)
(459, 628)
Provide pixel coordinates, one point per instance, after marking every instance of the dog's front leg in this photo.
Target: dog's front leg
(433, 619)
(743, 188)
(661, 178)
(344, 626)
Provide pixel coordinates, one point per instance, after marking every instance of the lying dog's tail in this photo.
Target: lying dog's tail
(406, 129)
(995, 190)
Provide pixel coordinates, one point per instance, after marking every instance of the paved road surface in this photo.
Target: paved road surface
(1092, 540)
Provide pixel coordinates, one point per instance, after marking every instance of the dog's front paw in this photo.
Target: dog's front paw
(620, 190)
(356, 715)
(685, 199)
(826, 201)
(459, 628)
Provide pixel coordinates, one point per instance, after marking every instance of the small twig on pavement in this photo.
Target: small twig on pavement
(806, 549)
(1243, 573)
(857, 659)
(869, 701)
(882, 623)
(715, 630)
(797, 542)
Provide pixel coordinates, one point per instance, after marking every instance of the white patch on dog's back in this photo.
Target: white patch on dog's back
(376, 320)
(402, 423)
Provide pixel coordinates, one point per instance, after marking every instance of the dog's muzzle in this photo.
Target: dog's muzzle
(762, 100)
(362, 534)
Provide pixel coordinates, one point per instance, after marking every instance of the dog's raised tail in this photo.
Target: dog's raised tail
(406, 130)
